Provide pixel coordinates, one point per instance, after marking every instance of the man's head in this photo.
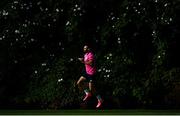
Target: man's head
(86, 48)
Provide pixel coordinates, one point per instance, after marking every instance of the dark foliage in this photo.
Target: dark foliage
(136, 44)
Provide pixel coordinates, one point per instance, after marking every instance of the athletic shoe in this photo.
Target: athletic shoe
(88, 95)
(99, 103)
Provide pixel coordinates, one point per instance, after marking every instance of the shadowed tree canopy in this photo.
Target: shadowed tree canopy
(135, 43)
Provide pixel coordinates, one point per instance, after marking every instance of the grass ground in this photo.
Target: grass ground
(90, 112)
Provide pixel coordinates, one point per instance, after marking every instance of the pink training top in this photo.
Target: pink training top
(90, 69)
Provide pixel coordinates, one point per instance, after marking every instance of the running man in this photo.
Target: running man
(89, 75)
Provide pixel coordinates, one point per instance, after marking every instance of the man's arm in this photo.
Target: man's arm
(81, 60)
(89, 62)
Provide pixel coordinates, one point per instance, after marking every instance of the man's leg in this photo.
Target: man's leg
(98, 96)
(80, 83)
(87, 92)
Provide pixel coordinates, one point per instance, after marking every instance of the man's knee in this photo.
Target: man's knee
(77, 83)
(81, 79)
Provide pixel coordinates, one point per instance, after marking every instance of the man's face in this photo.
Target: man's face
(85, 49)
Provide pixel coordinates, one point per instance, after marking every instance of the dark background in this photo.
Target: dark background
(136, 44)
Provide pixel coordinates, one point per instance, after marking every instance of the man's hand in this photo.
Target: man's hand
(81, 60)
